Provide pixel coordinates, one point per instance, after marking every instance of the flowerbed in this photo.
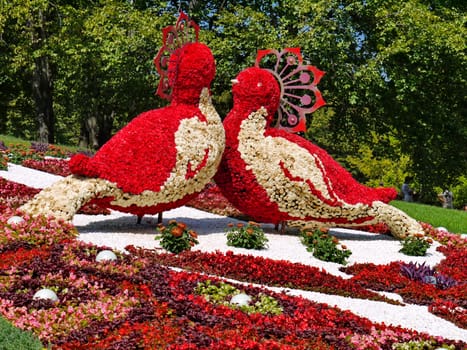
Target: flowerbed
(138, 303)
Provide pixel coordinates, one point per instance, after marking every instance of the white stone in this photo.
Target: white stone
(241, 299)
(15, 220)
(106, 255)
(45, 294)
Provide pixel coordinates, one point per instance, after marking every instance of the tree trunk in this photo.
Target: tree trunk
(96, 130)
(89, 133)
(42, 86)
(105, 128)
(42, 89)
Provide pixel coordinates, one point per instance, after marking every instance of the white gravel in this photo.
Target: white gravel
(119, 230)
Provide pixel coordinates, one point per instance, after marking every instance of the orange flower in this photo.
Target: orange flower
(344, 247)
(193, 234)
(176, 231)
(250, 231)
(239, 225)
(230, 224)
(181, 225)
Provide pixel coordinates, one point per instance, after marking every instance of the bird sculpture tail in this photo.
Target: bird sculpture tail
(65, 197)
(400, 224)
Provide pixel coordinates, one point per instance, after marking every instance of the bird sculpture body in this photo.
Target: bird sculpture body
(160, 160)
(275, 176)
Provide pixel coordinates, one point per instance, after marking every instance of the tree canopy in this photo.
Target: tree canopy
(76, 71)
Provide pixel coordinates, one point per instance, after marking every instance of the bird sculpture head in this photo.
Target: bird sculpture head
(191, 68)
(255, 88)
(185, 66)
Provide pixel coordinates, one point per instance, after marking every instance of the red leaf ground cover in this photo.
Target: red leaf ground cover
(56, 166)
(450, 303)
(262, 271)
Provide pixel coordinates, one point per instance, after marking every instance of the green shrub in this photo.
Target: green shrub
(176, 237)
(415, 245)
(459, 193)
(12, 338)
(250, 236)
(325, 247)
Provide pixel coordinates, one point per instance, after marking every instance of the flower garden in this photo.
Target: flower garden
(154, 299)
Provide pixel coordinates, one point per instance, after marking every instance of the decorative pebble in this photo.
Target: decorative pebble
(106, 255)
(241, 299)
(46, 294)
(15, 220)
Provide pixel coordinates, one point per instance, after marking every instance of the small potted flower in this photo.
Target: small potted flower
(416, 245)
(250, 236)
(176, 237)
(324, 246)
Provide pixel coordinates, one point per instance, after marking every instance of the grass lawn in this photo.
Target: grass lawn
(453, 220)
(11, 140)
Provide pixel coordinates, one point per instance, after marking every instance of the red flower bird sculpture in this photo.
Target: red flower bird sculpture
(276, 176)
(163, 157)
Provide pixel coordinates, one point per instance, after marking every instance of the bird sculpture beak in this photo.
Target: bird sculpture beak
(234, 81)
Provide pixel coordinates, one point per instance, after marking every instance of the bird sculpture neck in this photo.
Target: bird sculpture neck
(207, 108)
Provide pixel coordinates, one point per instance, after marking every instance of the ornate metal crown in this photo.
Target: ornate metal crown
(173, 37)
(295, 83)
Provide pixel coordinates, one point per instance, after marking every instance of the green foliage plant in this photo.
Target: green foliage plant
(459, 192)
(3, 161)
(221, 293)
(12, 338)
(324, 246)
(250, 236)
(176, 237)
(415, 245)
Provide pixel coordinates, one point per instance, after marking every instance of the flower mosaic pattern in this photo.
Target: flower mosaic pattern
(274, 176)
(161, 160)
